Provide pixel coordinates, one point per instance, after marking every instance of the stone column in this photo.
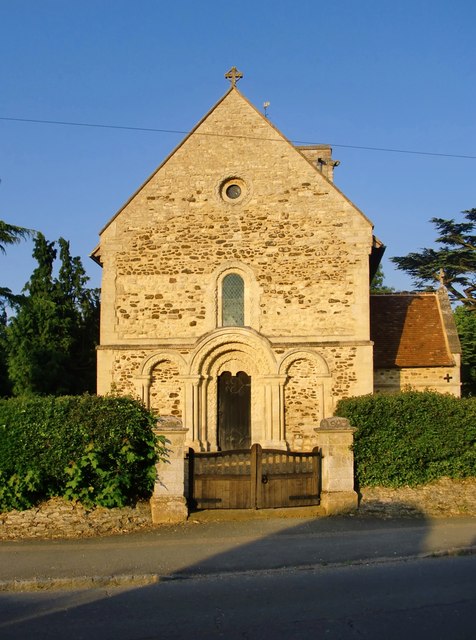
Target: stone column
(143, 383)
(203, 433)
(191, 410)
(335, 437)
(273, 406)
(168, 504)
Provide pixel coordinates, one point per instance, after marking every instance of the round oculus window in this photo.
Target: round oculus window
(233, 191)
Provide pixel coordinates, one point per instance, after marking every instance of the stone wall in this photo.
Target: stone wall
(444, 498)
(60, 519)
(313, 380)
(301, 398)
(441, 379)
(301, 249)
(166, 389)
(303, 245)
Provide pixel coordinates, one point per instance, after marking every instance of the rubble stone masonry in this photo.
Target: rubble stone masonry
(300, 246)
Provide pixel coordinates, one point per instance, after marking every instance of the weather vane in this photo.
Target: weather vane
(233, 75)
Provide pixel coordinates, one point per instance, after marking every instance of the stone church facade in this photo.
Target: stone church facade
(235, 291)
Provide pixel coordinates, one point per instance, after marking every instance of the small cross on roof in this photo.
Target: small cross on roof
(442, 277)
(233, 75)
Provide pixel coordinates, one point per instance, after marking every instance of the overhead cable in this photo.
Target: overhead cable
(226, 135)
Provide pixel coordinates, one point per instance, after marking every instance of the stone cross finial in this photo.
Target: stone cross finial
(233, 75)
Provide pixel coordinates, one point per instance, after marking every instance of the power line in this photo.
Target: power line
(223, 135)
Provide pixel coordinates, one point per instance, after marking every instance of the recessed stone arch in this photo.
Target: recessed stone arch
(159, 383)
(233, 350)
(306, 396)
(296, 354)
(251, 346)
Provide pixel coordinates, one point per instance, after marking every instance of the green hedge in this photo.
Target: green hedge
(412, 437)
(98, 450)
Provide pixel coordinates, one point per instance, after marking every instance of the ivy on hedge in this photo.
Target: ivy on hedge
(98, 450)
(411, 438)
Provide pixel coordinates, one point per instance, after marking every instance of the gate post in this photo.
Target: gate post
(168, 504)
(256, 462)
(335, 437)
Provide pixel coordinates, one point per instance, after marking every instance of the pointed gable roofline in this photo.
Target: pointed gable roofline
(95, 255)
(286, 140)
(172, 153)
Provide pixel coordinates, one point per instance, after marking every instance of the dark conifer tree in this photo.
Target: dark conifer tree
(5, 385)
(51, 340)
(466, 324)
(378, 282)
(9, 234)
(453, 264)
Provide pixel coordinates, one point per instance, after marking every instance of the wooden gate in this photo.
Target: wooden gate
(253, 479)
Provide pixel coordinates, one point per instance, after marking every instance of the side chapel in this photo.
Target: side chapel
(235, 292)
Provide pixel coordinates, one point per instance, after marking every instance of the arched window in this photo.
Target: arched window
(233, 301)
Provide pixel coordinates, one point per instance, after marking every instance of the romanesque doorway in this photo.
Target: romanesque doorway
(234, 411)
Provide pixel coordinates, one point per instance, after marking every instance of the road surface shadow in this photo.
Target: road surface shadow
(324, 577)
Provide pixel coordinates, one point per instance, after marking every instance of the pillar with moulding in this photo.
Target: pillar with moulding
(335, 438)
(168, 504)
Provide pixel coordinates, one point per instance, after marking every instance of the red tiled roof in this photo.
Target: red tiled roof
(408, 331)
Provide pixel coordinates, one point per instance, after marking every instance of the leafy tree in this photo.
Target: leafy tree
(51, 340)
(378, 282)
(454, 264)
(466, 324)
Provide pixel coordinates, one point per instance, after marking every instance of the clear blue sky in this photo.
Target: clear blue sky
(368, 73)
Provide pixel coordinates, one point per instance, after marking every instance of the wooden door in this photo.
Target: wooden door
(234, 411)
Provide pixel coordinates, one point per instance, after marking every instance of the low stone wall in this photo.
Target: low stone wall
(58, 518)
(444, 497)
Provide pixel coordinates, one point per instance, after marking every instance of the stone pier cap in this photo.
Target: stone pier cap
(168, 504)
(335, 438)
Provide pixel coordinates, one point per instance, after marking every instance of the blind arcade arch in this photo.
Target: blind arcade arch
(235, 350)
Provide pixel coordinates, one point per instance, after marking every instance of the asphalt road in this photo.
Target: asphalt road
(347, 577)
(227, 546)
(432, 598)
